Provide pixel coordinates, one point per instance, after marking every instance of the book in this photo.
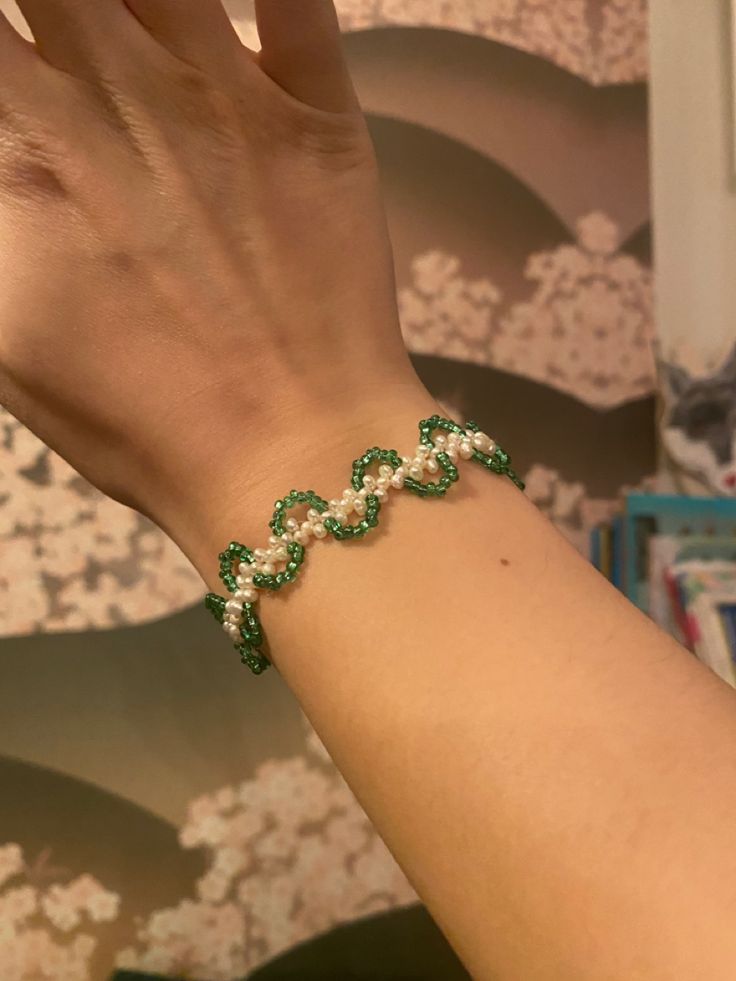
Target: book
(703, 586)
(647, 515)
(675, 558)
(711, 642)
(727, 611)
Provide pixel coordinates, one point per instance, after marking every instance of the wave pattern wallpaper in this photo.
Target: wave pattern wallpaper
(163, 812)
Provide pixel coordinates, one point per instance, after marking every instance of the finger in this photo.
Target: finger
(13, 45)
(197, 31)
(28, 86)
(69, 33)
(302, 51)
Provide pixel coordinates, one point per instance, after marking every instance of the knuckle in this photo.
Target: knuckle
(204, 102)
(334, 141)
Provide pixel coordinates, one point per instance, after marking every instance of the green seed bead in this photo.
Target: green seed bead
(250, 628)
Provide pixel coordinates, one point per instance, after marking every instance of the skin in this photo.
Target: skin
(198, 313)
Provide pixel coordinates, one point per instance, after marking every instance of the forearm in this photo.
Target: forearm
(553, 773)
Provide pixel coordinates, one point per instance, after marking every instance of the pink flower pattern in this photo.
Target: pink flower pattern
(603, 41)
(290, 854)
(587, 328)
(36, 923)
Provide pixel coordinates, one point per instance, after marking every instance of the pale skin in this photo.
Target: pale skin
(197, 311)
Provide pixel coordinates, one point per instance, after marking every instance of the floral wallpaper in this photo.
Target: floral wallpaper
(587, 327)
(45, 926)
(603, 42)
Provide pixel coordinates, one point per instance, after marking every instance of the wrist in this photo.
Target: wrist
(230, 491)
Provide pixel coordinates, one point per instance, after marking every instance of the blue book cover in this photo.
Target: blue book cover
(667, 514)
(617, 549)
(728, 620)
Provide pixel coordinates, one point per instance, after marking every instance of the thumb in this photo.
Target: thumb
(301, 50)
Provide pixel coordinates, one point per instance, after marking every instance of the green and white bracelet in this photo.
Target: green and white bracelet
(279, 563)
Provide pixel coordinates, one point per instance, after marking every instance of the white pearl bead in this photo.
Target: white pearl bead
(291, 524)
(300, 538)
(246, 569)
(382, 483)
(416, 472)
(397, 480)
(421, 450)
(432, 465)
(340, 516)
(268, 569)
(240, 595)
(319, 530)
(313, 514)
(453, 438)
(249, 595)
(440, 441)
(306, 528)
(334, 503)
(369, 482)
(274, 540)
(385, 470)
(259, 554)
(480, 441)
(451, 451)
(466, 449)
(232, 630)
(232, 606)
(347, 506)
(381, 494)
(360, 507)
(406, 460)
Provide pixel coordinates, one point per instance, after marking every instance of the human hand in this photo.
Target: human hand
(193, 250)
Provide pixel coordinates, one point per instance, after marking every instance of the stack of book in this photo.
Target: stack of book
(675, 558)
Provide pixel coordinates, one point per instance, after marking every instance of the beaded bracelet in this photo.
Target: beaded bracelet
(279, 563)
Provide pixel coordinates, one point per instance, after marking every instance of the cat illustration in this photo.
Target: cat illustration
(698, 428)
